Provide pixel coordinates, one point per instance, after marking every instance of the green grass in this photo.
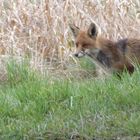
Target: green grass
(35, 107)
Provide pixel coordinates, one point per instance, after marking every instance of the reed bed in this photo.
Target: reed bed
(38, 29)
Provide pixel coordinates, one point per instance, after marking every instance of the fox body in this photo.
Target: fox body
(116, 56)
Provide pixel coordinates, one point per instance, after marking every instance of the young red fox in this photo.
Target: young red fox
(116, 56)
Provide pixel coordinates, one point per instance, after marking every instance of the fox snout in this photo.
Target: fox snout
(87, 52)
(79, 54)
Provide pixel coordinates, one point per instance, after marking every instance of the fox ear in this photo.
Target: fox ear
(92, 30)
(75, 30)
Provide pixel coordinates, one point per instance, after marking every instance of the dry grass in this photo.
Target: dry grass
(38, 29)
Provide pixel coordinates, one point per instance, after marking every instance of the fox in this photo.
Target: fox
(117, 56)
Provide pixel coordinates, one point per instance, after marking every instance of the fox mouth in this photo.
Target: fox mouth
(92, 53)
(88, 52)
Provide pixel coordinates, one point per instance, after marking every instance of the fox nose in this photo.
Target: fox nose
(76, 54)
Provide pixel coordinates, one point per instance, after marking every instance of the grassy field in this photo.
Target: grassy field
(53, 95)
(36, 107)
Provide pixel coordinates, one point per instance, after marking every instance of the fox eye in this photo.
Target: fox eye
(85, 45)
(76, 44)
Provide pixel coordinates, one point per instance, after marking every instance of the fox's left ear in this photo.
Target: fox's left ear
(92, 30)
(75, 30)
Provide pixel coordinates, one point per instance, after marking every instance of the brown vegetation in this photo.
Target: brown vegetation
(38, 29)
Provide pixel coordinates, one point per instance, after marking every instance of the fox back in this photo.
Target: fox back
(131, 49)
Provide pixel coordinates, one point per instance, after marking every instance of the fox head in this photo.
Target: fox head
(85, 41)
